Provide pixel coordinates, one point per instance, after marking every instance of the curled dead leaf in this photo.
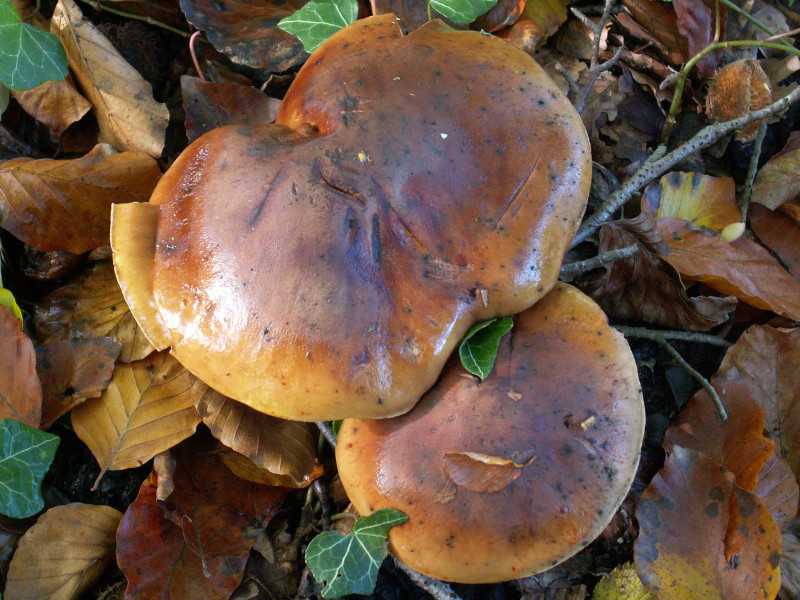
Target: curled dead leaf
(57, 104)
(480, 472)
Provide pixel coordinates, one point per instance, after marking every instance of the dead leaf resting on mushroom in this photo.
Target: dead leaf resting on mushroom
(480, 472)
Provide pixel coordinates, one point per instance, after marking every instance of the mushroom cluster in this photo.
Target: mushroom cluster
(326, 266)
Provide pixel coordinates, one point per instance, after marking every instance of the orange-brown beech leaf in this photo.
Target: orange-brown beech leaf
(739, 444)
(146, 409)
(778, 181)
(696, 22)
(741, 268)
(660, 26)
(547, 15)
(684, 516)
(211, 105)
(777, 487)
(480, 472)
(73, 370)
(57, 104)
(20, 390)
(247, 31)
(128, 116)
(780, 233)
(66, 204)
(767, 360)
(64, 554)
(91, 306)
(285, 449)
(646, 287)
(506, 12)
(703, 200)
(200, 549)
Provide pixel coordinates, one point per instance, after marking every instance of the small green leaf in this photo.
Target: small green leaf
(7, 300)
(479, 347)
(462, 11)
(25, 457)
(318, 20)
(348, 564)
(28, 55)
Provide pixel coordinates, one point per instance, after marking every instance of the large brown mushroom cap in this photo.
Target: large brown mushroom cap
(565, 391)
(327, 266)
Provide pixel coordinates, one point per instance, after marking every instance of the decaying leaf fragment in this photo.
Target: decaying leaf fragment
(128, 116)
(480, 472)
(20, 389)
(64, 554)
(778, 181)
(57, 104)
(777, 487)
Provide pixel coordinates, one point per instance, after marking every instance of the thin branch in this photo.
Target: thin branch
(740, 11)
(781, 36)
(648, 173)
(706, 385)
(127, 15)
(327, 431)
(582, 266)
(438, 589)
(594, 73)
(669, 334)
(573, 85)
(751, 171)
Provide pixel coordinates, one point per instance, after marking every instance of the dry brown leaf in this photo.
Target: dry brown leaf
(128, 116)
(701, 199)
(658, 24)
(777, 487)
(57, 104)
(480, 472)
(64, 554)
(739, 444)
(547, 16)
(767, 359)
(741, 268)
(91, 306)
(778, 181)
(66, 204)
(646, 287)
(146, 409)
(286, 449)
(684, 517)
(779, 232)
(73, 370)
(20, 390)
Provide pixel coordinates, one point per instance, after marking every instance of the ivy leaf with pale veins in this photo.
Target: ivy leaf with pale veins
(25, 457)
(320, 19)
(348, 564)
(478, 349)
(28, 55)
(462, 11)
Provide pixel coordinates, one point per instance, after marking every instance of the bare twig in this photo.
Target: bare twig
(326, 430)
(650, 172)
(595, 67)
(582, 266)
(744, 205)
(669, 334)
(742, 12)
(781, 36)
(196, 62)
(438, 589)
(127, 15)
(594, 73)
(573, 85)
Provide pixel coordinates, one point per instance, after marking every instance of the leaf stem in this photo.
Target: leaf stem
(127, 15)
(740, 11)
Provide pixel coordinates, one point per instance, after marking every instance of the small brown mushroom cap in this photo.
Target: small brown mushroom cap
(326, 266)
(509, 476)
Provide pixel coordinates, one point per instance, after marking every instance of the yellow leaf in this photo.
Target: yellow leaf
(622, 584)
(146, 409)
(703, 200)
(64, 554)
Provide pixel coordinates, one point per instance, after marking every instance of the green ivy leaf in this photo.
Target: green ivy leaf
(318, 20)
(462, 11)
(28, 55)
(348, 564)
(7, 300)
(479, 347)
(25, 457)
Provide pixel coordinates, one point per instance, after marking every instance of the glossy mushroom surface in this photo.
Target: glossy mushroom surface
(509, 476)
(327, 265)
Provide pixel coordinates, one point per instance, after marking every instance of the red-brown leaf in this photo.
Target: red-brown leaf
(696, 22)
(777, 487)
(780, 233)
(20, 390)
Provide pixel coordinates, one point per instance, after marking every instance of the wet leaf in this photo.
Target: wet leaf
(348, 564)
(91, 306)
(740, 268)
(146, 409)
(462, 11)
(503, 14)
(703, 200)
(247, 31)
(25, 457)
(684, 517)
(28, 55)
(128, 116)
(766, 359)
(778, 181)
(645, 286)
(286, 449)
(548, 15)
(64, 554)
(20, 390)
(739, 444)
(211, 105)
(780, 233)
(480, 472)
(777, 487)
(478, 349)
(57, 104)
(212, 520)
(72, 371)
(66, 204)
(320, 19)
